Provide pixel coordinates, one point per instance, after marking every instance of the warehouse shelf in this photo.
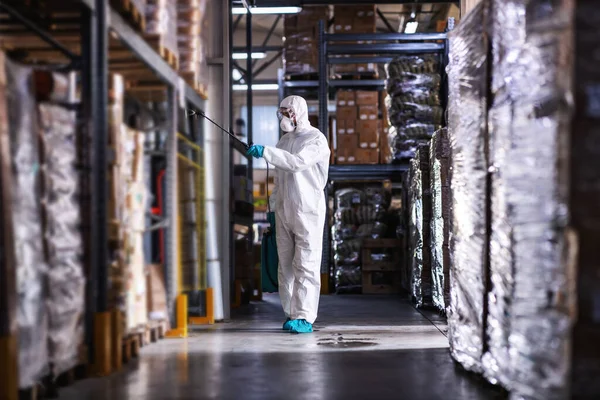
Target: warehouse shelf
(140, 47)
(367, 171)
(98, 21)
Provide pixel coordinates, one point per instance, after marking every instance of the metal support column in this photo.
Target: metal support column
(249, 80)
(99, 137)
(88, 40)
(171, 204)
(323, 127)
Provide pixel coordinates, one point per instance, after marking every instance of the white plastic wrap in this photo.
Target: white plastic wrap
(31, 266)
(66, 281)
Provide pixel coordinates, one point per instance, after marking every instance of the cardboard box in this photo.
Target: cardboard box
(346, 126)
(368, 132)
(156, 293)
(364, 97)
(347, 142)
(368, 112)
(346, 98)
(347, 113)
(367, 156)
(347, 156)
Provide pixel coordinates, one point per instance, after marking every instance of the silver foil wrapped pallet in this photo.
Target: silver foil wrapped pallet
(420, 229)
(543, 190)
(467, 113)
(439, 165)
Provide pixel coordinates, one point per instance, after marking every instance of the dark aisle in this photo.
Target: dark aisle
(364, 347)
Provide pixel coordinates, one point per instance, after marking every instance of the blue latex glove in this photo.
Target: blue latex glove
(256, 151)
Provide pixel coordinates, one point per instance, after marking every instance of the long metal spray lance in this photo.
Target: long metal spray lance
(231, 135)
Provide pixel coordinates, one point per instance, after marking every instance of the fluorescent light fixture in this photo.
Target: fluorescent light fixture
(257, 86)
(411, 27)
(236, 74)
(267, 10)
(243, 56)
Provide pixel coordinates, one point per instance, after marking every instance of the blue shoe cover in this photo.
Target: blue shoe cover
(287, 324)
(300, 326)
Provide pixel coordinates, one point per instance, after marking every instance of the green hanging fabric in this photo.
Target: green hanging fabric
(269, 258)
(269, 261)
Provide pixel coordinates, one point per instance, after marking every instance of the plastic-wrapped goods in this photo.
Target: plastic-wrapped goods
(413, 103)
(66, 280)
(468, 136)
(531, 250)
(161, 20)
(192, 31)
(31, 267)
(420, 214)
(440, 221)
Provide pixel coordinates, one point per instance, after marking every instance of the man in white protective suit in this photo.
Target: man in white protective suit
(301, 159)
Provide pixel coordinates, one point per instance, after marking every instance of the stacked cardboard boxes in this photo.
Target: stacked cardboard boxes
(300, 50)
(358, 127)
(354, 19)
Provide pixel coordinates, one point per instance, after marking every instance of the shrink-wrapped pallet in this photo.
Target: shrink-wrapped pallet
(413, 103)
(62, 221)
(31, 267)
(467, 110)
(420, 219)
(533, 253)
(440, 221)
(161, 25)
(192, 36)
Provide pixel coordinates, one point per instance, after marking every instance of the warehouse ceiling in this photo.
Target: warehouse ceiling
(427, 14)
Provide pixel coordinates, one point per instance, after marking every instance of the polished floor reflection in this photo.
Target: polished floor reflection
(364, 347)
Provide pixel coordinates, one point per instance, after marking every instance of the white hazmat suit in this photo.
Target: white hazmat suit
(301, 159)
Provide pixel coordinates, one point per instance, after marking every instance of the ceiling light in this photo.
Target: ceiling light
(244, 56)
(411, 27)
(236, 74)
(257, 86)
(267, 10)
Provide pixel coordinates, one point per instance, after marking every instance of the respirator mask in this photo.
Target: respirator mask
(286, 119)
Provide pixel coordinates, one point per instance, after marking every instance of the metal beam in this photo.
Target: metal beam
(358, 172)
(262, 49)
(385, 48)
(99, 121)
(359, 60)
(41, 33)
(385, 20)
(237, 21)
(384, 37)
(269, 34)
(268, 63)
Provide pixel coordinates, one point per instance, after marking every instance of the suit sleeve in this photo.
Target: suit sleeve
(310, 155)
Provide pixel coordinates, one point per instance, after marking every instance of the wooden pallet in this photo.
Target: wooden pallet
(50, 385)
(156, 41)
(132, 13)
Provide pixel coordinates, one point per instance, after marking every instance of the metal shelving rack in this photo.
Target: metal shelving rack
(367, 48)
(98, 20)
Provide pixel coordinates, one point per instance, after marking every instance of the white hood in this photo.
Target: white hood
(298, 105)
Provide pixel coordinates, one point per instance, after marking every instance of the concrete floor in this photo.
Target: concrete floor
(364, 347)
